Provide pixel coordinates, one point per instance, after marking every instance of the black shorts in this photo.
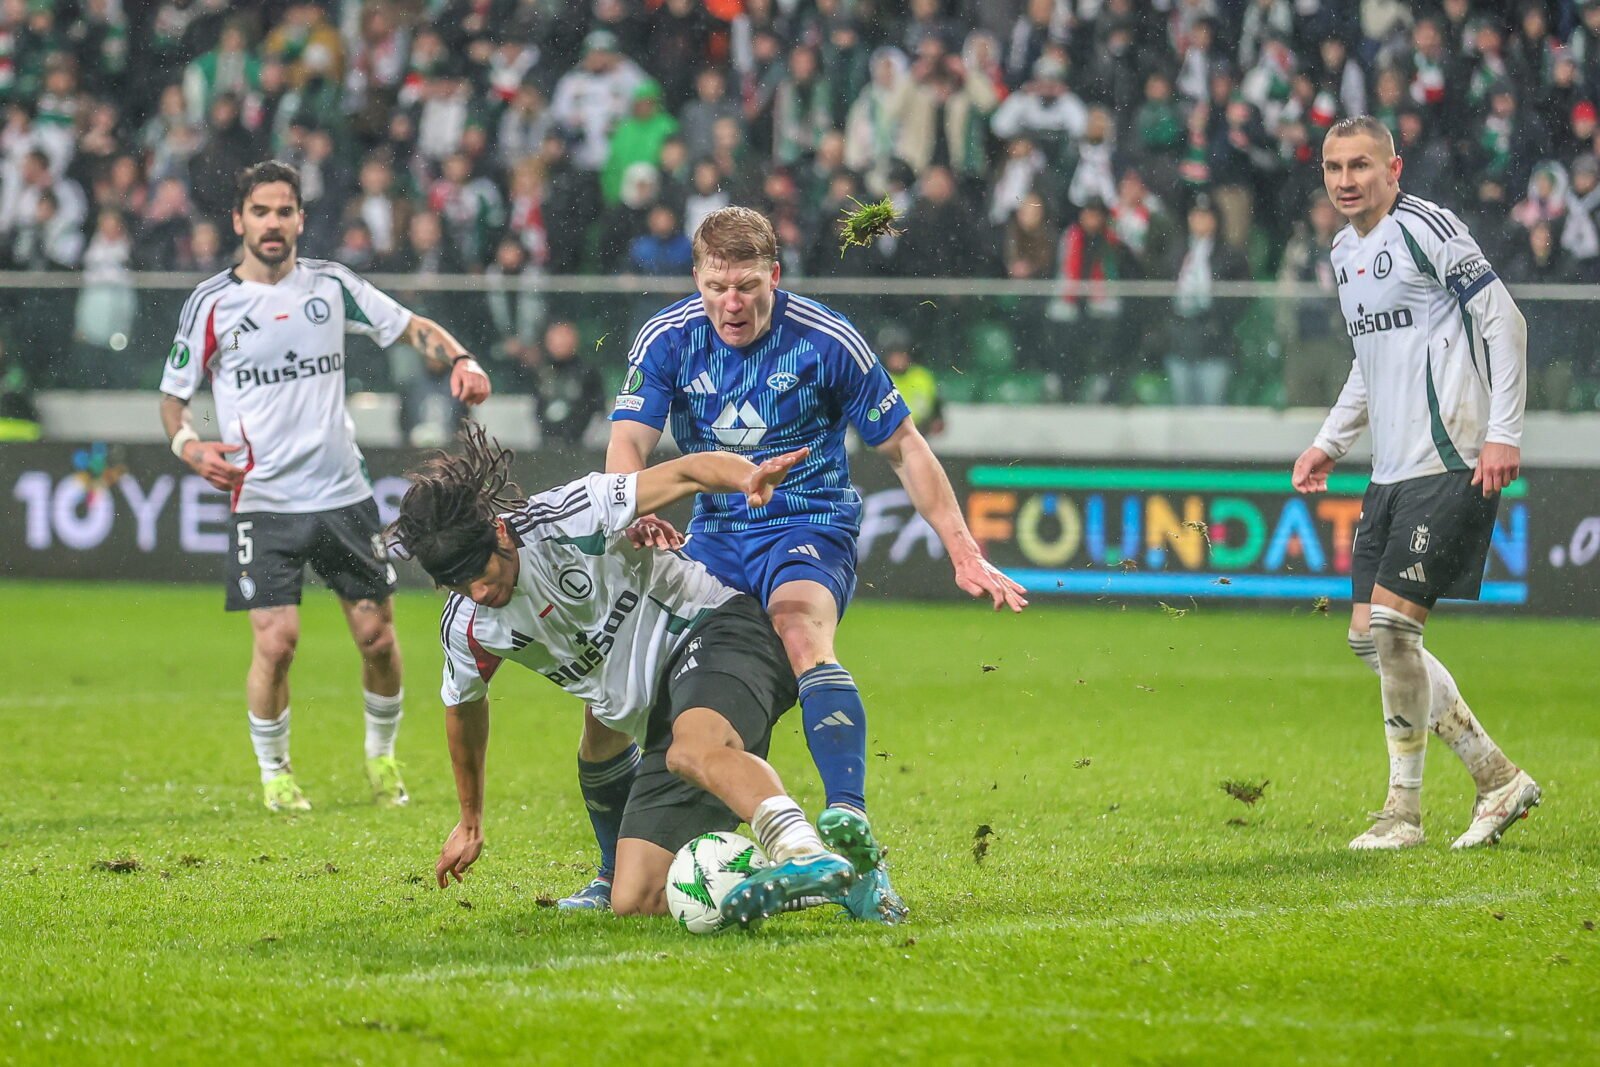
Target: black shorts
(1424, 539)
(269, 551)
(734, 664)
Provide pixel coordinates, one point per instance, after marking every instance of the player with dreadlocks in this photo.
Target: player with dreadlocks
(658, 648)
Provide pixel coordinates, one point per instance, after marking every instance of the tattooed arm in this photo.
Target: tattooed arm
(468, 382)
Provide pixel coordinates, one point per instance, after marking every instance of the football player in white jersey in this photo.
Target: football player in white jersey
(1439, 375)
(269, 334)
(658, 648)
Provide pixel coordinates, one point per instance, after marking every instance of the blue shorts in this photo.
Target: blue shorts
(758, 561)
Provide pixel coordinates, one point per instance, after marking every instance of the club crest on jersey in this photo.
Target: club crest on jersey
(1383, 264)
(1419, 540)
(575, 583)
(247, 587)
(782, 381)
(318, 311)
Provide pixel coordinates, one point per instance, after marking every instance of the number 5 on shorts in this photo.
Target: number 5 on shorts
(247, 547)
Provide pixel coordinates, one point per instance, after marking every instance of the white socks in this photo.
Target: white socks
(383, 722)
(1448, 715)
(270, 737)
(783, 830)
(1407, 696)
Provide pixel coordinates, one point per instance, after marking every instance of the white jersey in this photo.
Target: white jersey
(591, 613)
(275, 356)
(1440, 351)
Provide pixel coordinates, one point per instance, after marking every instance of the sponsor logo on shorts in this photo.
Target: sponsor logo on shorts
(1419, 540)
(247, 587)
(1415, 573)
(575, 583)
(688, 665)
(782, 381)
(630, 403)
(178, 358)
(694, 646)
(806, 550)
(318, 311)
(379, 551)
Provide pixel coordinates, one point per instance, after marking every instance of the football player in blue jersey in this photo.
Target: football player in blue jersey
(747, 367)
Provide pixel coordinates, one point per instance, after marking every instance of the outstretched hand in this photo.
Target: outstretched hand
(769, 474)
(460, 852)
(979, 578)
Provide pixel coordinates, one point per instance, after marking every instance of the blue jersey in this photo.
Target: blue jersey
(800, 385)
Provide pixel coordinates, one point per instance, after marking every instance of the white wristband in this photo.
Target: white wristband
(181, 439)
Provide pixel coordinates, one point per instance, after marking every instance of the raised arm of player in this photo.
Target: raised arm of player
(714, 472)
(629, 451)
(925, 481)
(468, 382)
(1505, 343)
(1339, 431)
(206, 458)
(467, 728)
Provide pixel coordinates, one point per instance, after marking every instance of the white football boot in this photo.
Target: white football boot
(1390, 833)
(1498, 810)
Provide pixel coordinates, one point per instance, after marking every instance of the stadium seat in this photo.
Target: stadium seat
(990, 350)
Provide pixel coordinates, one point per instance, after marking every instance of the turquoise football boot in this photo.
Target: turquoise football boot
(767, 891)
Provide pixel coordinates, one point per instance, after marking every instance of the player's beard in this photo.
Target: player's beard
(284, 253)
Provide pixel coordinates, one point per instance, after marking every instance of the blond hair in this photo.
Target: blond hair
(735, 235)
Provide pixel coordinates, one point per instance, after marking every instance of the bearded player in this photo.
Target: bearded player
(1439, 374)
(746, 367)
(269, 334)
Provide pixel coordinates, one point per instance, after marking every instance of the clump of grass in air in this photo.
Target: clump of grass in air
(866, 223)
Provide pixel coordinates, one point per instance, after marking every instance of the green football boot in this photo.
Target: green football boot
(283, 793)
(388, 791)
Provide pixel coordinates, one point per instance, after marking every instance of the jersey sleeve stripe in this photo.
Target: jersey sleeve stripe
(862, 357)
(533, 508)
(1433, 209)
(681, 315)
(845, 324)
(525, 525)
(448, 617)
(487, 662)
(1429, 211)
(191, 307)
(1427, 220)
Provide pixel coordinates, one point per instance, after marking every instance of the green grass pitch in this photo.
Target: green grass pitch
(1126, 910)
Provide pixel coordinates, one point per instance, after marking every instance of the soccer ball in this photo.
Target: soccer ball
(703, 873)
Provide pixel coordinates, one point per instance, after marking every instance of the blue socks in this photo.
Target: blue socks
(605, 788)
(836, 732)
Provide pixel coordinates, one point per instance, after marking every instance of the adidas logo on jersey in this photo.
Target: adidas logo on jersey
(1414, 573)
(806, 550)
(838, 718)
(739, 427)
(701, 384)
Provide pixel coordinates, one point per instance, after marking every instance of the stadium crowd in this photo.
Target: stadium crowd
(1080, 140)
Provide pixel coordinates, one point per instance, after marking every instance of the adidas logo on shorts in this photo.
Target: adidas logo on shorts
(806, 550)
(1414, 573)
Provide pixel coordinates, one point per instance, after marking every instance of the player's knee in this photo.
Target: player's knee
(686, 758)
(276, 647)
(639, 900)
(378, 644)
